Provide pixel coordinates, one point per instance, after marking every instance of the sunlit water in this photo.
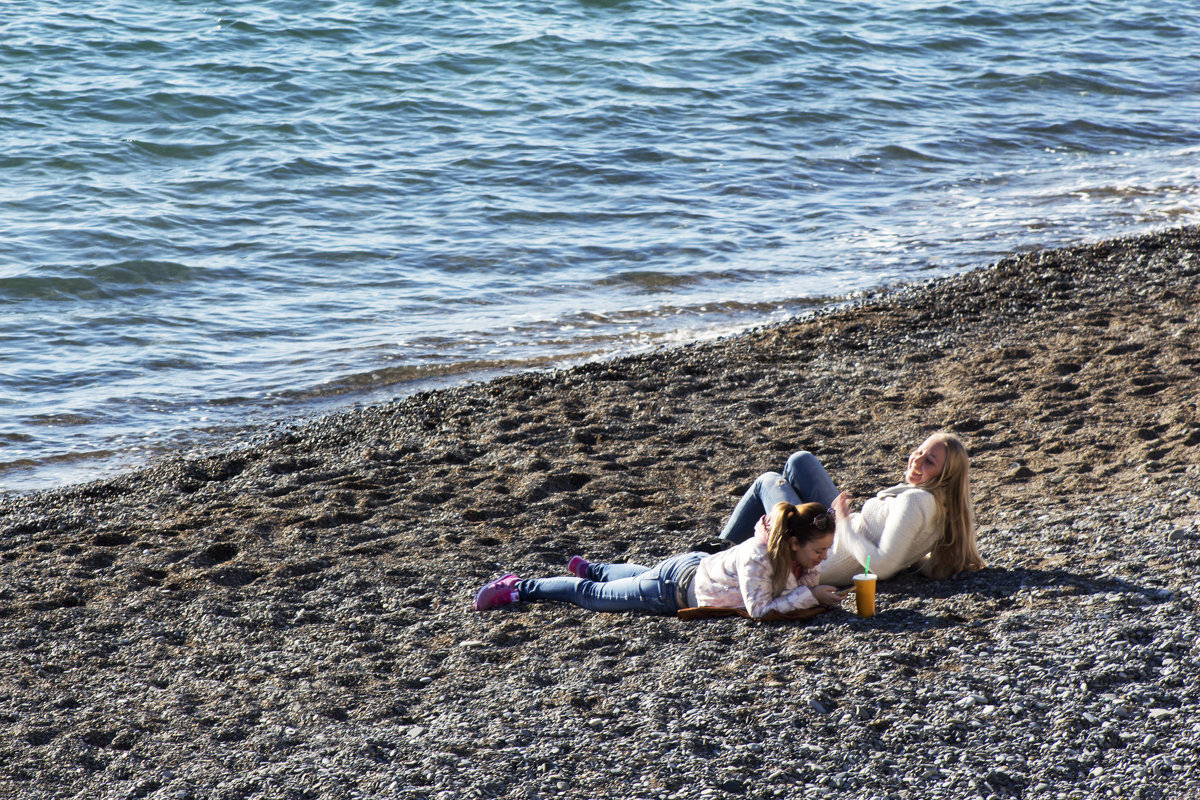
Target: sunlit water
(216, 217)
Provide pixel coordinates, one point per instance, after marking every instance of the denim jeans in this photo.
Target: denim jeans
(618, 587)
(804, 480)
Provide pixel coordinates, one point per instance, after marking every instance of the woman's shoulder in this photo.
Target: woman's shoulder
(907, 501)
(908, 493)
(751, 548)
(749, 555)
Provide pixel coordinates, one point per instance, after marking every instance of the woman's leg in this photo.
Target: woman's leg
(652, 589)
(810, 480)
(603, 573)
(767, 490)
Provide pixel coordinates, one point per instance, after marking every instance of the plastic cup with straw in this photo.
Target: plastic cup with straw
(864, 591)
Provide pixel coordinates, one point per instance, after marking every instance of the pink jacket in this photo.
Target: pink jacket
(740, 577)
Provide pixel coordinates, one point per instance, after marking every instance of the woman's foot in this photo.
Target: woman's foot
(578, 566)
(500, 592)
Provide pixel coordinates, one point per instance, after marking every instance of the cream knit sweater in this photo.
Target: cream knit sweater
(896, 528)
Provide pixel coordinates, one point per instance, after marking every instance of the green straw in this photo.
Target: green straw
(867, 568)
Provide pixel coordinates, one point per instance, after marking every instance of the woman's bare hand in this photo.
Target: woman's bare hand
(828, 595)
(841, 506)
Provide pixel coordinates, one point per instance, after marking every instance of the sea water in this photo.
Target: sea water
(216, 216)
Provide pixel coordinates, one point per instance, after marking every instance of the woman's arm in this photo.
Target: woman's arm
(908, 534)
(757, 588)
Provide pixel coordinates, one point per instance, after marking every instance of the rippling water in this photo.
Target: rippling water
(218, 216)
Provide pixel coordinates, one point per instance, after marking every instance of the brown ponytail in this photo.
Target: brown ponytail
(809, 521)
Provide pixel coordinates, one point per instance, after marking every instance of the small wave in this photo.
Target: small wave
(59, 420)
(649, 280)
(57, 459)
(14, 437)
(1018, 85)
(159, 107)
(92, 282)
(182, 151)
(899, 154)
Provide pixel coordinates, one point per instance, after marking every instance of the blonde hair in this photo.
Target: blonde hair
(809, 521)
(956, 551)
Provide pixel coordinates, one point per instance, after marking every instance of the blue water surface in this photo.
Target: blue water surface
(217, 216)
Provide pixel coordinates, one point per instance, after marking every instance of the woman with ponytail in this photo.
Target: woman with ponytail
(926, 522)
(773, 570)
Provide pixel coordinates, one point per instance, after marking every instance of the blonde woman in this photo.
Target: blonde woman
(925, 522)
(773, 570)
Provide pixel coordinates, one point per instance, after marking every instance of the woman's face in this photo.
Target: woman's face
(812, 552)
(926, 463)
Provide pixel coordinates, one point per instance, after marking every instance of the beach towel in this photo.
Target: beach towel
(708, 612)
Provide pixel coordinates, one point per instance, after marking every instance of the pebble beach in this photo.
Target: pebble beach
(289, 616)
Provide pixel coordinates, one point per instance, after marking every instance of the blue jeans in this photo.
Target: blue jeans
(804, 480)
(618, 587)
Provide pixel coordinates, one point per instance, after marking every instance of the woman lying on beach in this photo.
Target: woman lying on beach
(773, 570)
(927, 521)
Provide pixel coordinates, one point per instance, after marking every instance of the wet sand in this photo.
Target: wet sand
(289, 617)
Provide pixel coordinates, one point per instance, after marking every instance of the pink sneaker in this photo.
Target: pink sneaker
(578, 566)
(500, 592)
